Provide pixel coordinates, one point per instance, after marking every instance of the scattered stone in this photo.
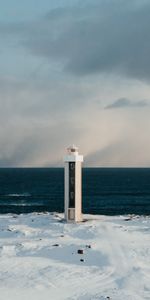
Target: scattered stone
(42, 213)
(62, 235)
(80, 251)
(57, 216)
(82, 260)
(84, 220)
(88, 246)
(19, 245)
(56, 245)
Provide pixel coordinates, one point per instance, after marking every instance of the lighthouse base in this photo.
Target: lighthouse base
(71, 217)
(71, 214)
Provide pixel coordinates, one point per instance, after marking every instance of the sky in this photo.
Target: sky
(75, 72)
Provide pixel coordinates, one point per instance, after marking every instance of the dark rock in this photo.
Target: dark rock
(80, 251)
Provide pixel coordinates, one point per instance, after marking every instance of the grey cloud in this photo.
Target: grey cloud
(125, 103)
(41, 115)
(97, 36)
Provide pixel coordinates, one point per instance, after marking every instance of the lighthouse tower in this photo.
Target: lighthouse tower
(73, 185)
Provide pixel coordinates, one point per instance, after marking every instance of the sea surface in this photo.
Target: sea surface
(109, 191)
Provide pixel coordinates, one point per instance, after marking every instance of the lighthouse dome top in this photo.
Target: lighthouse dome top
(73, 155)
(72, 149)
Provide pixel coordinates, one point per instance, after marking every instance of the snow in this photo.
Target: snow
(39, 257)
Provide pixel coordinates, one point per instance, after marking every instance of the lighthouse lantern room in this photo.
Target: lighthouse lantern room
(73, 185)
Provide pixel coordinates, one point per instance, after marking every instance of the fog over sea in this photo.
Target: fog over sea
(108, 191)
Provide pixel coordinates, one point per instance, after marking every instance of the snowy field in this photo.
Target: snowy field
(39, 258)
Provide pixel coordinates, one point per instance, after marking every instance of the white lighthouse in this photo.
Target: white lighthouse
(73, 185)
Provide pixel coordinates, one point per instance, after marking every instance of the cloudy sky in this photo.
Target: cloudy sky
(74, 71)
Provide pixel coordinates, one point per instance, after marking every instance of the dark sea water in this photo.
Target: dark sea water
(109, 191)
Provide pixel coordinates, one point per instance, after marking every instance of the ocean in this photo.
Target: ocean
(107, 191)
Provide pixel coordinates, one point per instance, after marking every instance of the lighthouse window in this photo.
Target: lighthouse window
(72, 180)
(72, 166)
(72, 195)
(71, 184)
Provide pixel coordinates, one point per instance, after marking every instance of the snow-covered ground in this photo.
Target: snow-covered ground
(39, 258)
